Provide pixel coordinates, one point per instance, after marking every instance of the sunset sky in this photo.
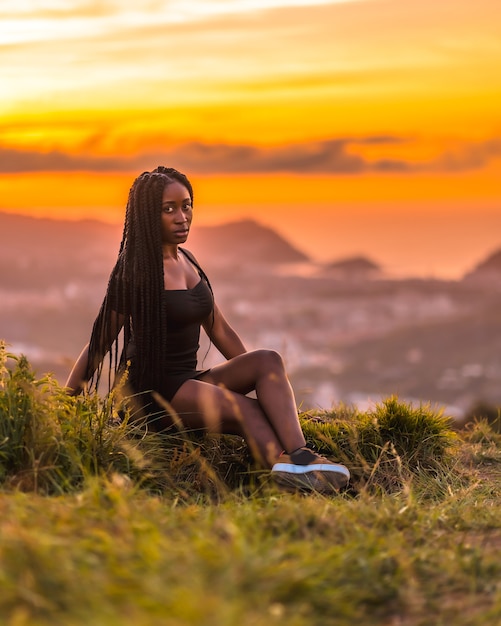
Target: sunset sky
(358, 127)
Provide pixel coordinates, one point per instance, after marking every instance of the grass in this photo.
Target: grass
(106, 524)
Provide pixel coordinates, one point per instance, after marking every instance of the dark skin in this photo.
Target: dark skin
(217, 401)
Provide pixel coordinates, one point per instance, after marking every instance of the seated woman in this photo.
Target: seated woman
(158, 297)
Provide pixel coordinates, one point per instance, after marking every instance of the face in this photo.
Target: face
(177, 213)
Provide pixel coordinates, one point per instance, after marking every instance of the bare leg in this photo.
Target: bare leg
(201, 405)
(263, 371)
(217, 402)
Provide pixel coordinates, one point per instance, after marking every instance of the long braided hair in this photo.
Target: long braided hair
(136, 286)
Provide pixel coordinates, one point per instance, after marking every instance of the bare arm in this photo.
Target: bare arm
(223, 336)
(79, 374)
(76, 379)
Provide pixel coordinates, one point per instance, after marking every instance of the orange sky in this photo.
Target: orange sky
(364, 126)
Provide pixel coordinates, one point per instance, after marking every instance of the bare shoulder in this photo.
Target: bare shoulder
(189, 254)
(191, 257)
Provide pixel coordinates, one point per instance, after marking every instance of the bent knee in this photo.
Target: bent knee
(269, 359)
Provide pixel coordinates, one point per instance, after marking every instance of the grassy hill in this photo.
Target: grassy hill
(104, 523)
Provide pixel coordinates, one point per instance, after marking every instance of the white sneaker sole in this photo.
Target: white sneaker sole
(321, 477)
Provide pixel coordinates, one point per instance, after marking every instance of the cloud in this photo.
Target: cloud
(326, 157)
(58, 9)
(471, 156)
(194, 9)
(17, 161)
(334, 156)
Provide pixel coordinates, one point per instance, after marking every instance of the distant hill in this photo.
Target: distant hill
(352, 267)
(39, 252)
(243, 242)
(488, 271)
(40, 248)
(34, 235)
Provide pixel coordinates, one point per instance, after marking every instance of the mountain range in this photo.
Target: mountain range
(38, 246)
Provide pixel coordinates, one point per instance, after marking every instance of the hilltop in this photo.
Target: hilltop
(357, 267)
(487, 271)
(41, 244)
(243, 242)
(106, 523)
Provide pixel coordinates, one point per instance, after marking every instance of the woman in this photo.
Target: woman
(159, 297)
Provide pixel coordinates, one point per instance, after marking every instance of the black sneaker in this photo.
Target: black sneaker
(304, 469)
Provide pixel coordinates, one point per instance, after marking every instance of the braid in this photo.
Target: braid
(136, 285)
(145, 267)
(175, 175)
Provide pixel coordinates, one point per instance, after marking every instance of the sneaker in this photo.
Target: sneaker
(304, 469)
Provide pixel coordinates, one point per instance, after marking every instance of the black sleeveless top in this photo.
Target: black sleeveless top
(185, 311)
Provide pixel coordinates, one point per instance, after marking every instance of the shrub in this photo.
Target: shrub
(386, 446)
(49, 441)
